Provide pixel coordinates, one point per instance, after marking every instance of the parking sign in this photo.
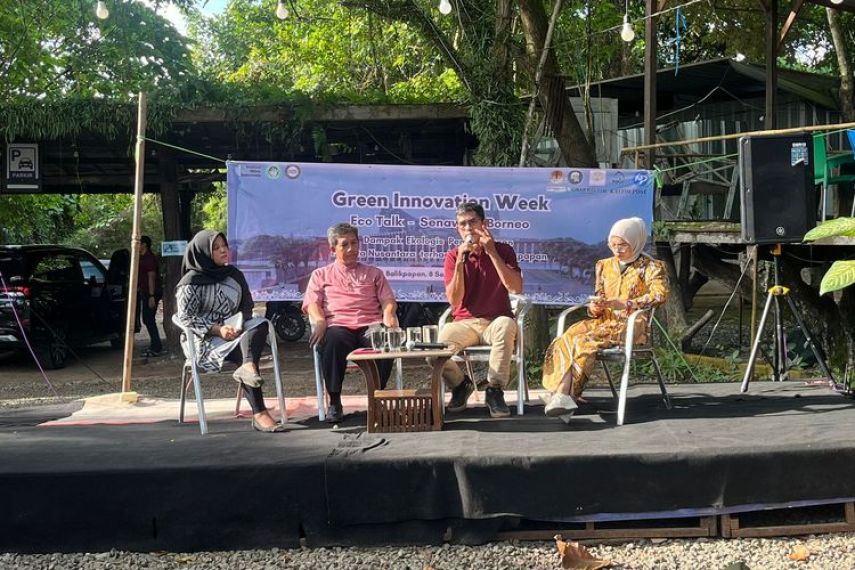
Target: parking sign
(22, 167)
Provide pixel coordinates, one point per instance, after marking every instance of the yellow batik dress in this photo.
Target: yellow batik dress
(643, 282)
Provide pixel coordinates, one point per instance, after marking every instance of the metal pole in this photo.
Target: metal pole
(127, 394)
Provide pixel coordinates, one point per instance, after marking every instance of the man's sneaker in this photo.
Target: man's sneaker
(560, 405)
(459, 395)
(495, 400)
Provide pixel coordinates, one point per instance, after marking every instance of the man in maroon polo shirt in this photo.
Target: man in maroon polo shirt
(479, 274)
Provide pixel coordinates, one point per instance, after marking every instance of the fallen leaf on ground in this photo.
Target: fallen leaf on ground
(800, 553)
(576, 556)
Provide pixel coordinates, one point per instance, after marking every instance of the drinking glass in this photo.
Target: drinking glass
(430, 333)
(414, 334)
(378, 339)
(395, 338)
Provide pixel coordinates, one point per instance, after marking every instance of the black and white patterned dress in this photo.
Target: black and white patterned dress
(202, 306)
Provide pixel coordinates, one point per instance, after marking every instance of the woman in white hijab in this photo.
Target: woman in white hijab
(625, 282)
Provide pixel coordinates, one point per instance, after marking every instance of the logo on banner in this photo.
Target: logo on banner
(641, 178)
(273, 172)
(598, 178)
(618, 177)
(575, 177)
(292, 171)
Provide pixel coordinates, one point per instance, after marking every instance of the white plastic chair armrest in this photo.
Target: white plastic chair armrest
(443, 319)
(562, 318)
(630, 331)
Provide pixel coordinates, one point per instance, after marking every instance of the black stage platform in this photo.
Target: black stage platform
(164, 487)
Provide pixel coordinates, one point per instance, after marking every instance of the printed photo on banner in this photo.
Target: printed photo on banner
(556, 220)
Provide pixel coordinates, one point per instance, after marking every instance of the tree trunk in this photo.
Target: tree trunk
(844, 65)
(575, 147)
(675, 312)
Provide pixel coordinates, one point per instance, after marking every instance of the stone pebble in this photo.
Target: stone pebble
(827, 552)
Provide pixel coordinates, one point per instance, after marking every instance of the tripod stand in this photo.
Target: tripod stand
(779, 352)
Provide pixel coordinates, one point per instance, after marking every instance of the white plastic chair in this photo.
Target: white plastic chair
(190, 373)
(625, 354)
(481, 353)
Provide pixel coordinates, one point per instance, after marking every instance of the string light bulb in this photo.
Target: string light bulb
(444, 7)
(101, 10)
(837, 1)
(281, 10)
(627, 34)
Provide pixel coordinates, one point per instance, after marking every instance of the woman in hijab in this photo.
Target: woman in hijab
(210, 293)
(626, 282)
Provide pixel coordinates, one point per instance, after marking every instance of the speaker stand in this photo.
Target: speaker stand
(779, 348)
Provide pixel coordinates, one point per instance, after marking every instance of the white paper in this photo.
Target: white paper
(235, 321)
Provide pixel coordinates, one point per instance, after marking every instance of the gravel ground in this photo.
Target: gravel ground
(835, 552)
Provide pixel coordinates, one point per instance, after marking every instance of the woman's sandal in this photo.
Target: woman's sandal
(275, 428)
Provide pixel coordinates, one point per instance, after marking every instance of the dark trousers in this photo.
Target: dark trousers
(148, 318)
(249, 350)
(338, 343)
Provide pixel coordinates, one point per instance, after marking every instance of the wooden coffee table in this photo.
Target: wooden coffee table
(402, 410)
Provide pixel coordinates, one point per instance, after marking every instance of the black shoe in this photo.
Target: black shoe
(460, 394)
(495, 400)
(334, 414)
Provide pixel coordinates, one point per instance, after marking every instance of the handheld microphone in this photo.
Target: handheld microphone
(468, 240)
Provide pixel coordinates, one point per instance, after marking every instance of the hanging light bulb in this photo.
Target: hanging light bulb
(627, 34)
(837, 1)
(281, 10)
(444, 7)
(101, 10)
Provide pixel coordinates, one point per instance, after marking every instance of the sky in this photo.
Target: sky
(169, 11)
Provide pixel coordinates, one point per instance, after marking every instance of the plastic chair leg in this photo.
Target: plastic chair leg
(200, 403)
(609, 378)
(277, 375)
(186, 378)
(319, 385)
(624, 385)
(665, 397)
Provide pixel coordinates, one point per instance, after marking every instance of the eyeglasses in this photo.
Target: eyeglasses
(619, 246)
(471, 223)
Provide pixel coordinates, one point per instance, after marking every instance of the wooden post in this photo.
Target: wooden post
(170, 204)
(650, 46)
(127, 394)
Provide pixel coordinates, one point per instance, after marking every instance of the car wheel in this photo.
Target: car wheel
(289, 325)
(53, 352)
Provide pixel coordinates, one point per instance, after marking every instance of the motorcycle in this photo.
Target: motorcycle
(287, 319)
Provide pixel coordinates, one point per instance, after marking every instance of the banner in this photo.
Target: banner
(557, 220)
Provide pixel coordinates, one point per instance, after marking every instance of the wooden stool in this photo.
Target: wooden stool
(403, 410)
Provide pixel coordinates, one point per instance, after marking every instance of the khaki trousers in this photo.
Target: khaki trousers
(500, 334)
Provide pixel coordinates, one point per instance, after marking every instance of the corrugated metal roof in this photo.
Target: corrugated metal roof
(711, 81)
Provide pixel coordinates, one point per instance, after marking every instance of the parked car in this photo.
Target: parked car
(60, 297)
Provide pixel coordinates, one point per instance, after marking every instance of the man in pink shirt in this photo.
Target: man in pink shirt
(342, 300)
(479, 274)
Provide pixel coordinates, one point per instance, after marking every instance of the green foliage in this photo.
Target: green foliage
(213, 211)
(323, 51)
(104, 223)
(52, 50)
(841, 274)
(35, 219)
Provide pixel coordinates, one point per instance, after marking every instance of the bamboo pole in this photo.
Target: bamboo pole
(127, 394)
(791, 130)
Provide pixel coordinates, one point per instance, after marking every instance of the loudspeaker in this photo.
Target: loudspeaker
(778, 197)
